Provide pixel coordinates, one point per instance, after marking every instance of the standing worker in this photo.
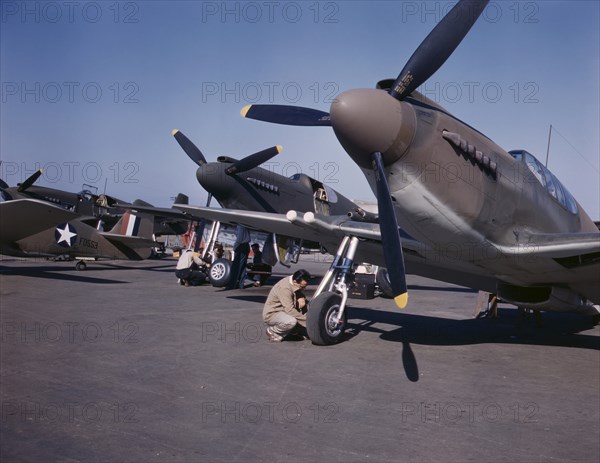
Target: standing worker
(241, 249)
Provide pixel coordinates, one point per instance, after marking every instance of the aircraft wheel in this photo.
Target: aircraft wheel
(220, 273)
(383, 281)
(81, 266)
(320, 324)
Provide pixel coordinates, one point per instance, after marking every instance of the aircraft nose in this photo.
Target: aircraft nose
(370, 120)
(213, 178)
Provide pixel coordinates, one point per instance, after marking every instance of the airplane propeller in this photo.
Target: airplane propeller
(243, 165)
(287, 115)
(29, 181)
(390, 234)
(254, 160)
(189, 147)
(360, 133)
(437, 47)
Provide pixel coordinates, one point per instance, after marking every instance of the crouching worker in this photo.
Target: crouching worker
(286, 306)
(189, 269)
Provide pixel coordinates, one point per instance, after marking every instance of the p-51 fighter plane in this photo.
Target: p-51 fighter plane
(243, 184)
(83, 203)
(492, 219)
(43, 221)
(32, 228)
(87, 204)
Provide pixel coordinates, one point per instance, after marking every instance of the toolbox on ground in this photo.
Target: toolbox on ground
(364, 286)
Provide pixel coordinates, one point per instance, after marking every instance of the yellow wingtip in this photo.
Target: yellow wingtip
(279, 148)
(174, 131)
(401, 300)
(245, 110)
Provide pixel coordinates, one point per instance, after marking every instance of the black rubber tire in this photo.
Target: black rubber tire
(80, 266)
(220, 273)
(319, 312)
(383, 281)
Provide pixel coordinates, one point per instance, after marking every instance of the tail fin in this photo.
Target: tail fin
(141, 202)
(182, 199)
(132, 235)
(134, 224)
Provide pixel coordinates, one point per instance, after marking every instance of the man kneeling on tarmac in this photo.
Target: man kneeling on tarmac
(189, 269)
(286, 307)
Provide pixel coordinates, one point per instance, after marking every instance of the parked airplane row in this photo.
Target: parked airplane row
(507, 226)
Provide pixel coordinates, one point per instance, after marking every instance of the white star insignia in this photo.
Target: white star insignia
(65, 235)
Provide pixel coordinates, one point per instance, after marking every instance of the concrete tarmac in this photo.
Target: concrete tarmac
(121, 364)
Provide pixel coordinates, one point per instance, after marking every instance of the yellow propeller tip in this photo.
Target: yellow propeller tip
(401, 300)
(279, 148)
(245, 110)
(174, 131)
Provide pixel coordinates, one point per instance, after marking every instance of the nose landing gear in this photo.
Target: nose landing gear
(327, 318)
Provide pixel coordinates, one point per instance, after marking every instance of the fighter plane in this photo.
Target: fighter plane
(32, 228)
(503, 224)
(88, 204)
(84, 203)
(43, 221)
(243, 184)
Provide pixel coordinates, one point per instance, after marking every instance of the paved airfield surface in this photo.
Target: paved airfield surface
(120, 364)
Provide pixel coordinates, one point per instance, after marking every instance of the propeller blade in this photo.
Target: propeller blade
(390, 234)
(287, 115)
(188, 146)
(30, 181)
(254, 160)
(437, 46)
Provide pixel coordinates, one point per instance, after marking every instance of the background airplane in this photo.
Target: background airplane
(243, 184)
(476, 214)
(89, 205)
(33, 228)
(43, 221)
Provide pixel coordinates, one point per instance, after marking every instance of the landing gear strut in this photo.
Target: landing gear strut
(327, 318)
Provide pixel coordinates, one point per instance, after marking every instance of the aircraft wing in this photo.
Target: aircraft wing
(571, 259)
(555, 245)
(26, 217)
(564, 245)
(329, 231)
(156, 211)
(294, 224)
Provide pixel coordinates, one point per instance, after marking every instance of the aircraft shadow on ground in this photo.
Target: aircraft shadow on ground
(257, 299)
(445, 289)
(166, 267)
(559, 329)
(58, 273)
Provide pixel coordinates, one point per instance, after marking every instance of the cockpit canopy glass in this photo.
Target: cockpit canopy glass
(547, 179)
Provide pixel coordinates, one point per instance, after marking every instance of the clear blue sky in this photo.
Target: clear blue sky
(92, 90)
